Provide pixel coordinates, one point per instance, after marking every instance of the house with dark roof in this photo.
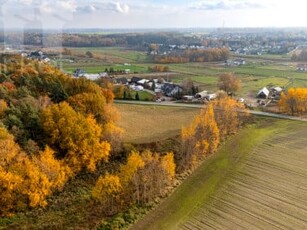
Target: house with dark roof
(170, 89)
(121, 80)
(135, 80)
(79, 72)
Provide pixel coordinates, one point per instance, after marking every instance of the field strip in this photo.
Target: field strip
(268, 192)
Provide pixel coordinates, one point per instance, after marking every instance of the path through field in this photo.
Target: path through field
(267, 189)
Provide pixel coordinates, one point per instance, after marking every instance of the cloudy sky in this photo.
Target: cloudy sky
(152, 13)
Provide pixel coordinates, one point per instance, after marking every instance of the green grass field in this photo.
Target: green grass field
(260, 71)
(252, 182)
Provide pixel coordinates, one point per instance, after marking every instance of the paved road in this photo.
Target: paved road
(174, 104)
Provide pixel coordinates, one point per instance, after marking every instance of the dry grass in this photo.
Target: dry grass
(144, 124)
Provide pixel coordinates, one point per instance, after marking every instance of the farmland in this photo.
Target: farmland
(257, 180)
(153, 123)
(257, 73)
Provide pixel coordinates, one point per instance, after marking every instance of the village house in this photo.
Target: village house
(263, 93)
(301, 67)
(201, 95)
(171, 90)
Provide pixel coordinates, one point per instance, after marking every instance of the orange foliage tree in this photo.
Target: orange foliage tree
(228, 115)
(3, 107)
(107, 190)
(76, 137)
(143, 177)
(294, 102)
(229, 83)
(202, 137)
(22, 183)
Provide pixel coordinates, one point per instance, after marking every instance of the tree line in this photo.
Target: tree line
(194, 55)
(146, 175)
(140, 40)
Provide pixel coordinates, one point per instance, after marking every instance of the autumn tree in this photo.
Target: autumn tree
(229, 83)
(119, 91)
(3, 107)
(199, 139)
(56, 170)
(89, 54)
(22, 183)
(89, 103)
(76, 137)
(142, 178)
(227, 115)
(294, 102)
(106, 191)
(207, 132)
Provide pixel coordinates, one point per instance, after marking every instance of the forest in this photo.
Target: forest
(138, 40)
(54, 127)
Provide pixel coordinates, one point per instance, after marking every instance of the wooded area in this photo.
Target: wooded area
(55, 127)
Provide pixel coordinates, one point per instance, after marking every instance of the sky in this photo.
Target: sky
(133, 14)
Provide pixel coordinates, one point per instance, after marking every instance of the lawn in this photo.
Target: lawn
(251, 181)
(145, 124)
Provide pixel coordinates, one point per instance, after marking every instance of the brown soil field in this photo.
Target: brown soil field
(268, 192)
(146, 124)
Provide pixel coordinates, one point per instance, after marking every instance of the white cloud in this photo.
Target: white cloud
(110, 6)
(57, 6)
(115, 7)
(122, 8)
(229, 4)
(87, 9)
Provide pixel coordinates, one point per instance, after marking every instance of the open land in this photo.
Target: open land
(258, 72)
(257, 180)
(145, 124)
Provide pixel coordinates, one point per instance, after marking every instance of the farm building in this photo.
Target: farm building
(135, 80)
(137, 87)
(277, 90)
(263, 93)
(211, 96)
(171, 89)
(142, 81)
(187, 98)
(201, 94)
(301, 67)
(121, 80)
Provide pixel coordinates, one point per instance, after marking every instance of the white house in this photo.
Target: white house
(263, 93)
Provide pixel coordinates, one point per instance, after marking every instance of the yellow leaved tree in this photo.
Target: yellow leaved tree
(294, 102)
(76, 137)
(22, 184)
(107, 190)
(202, 137)
(229, 114)
(56, 171)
